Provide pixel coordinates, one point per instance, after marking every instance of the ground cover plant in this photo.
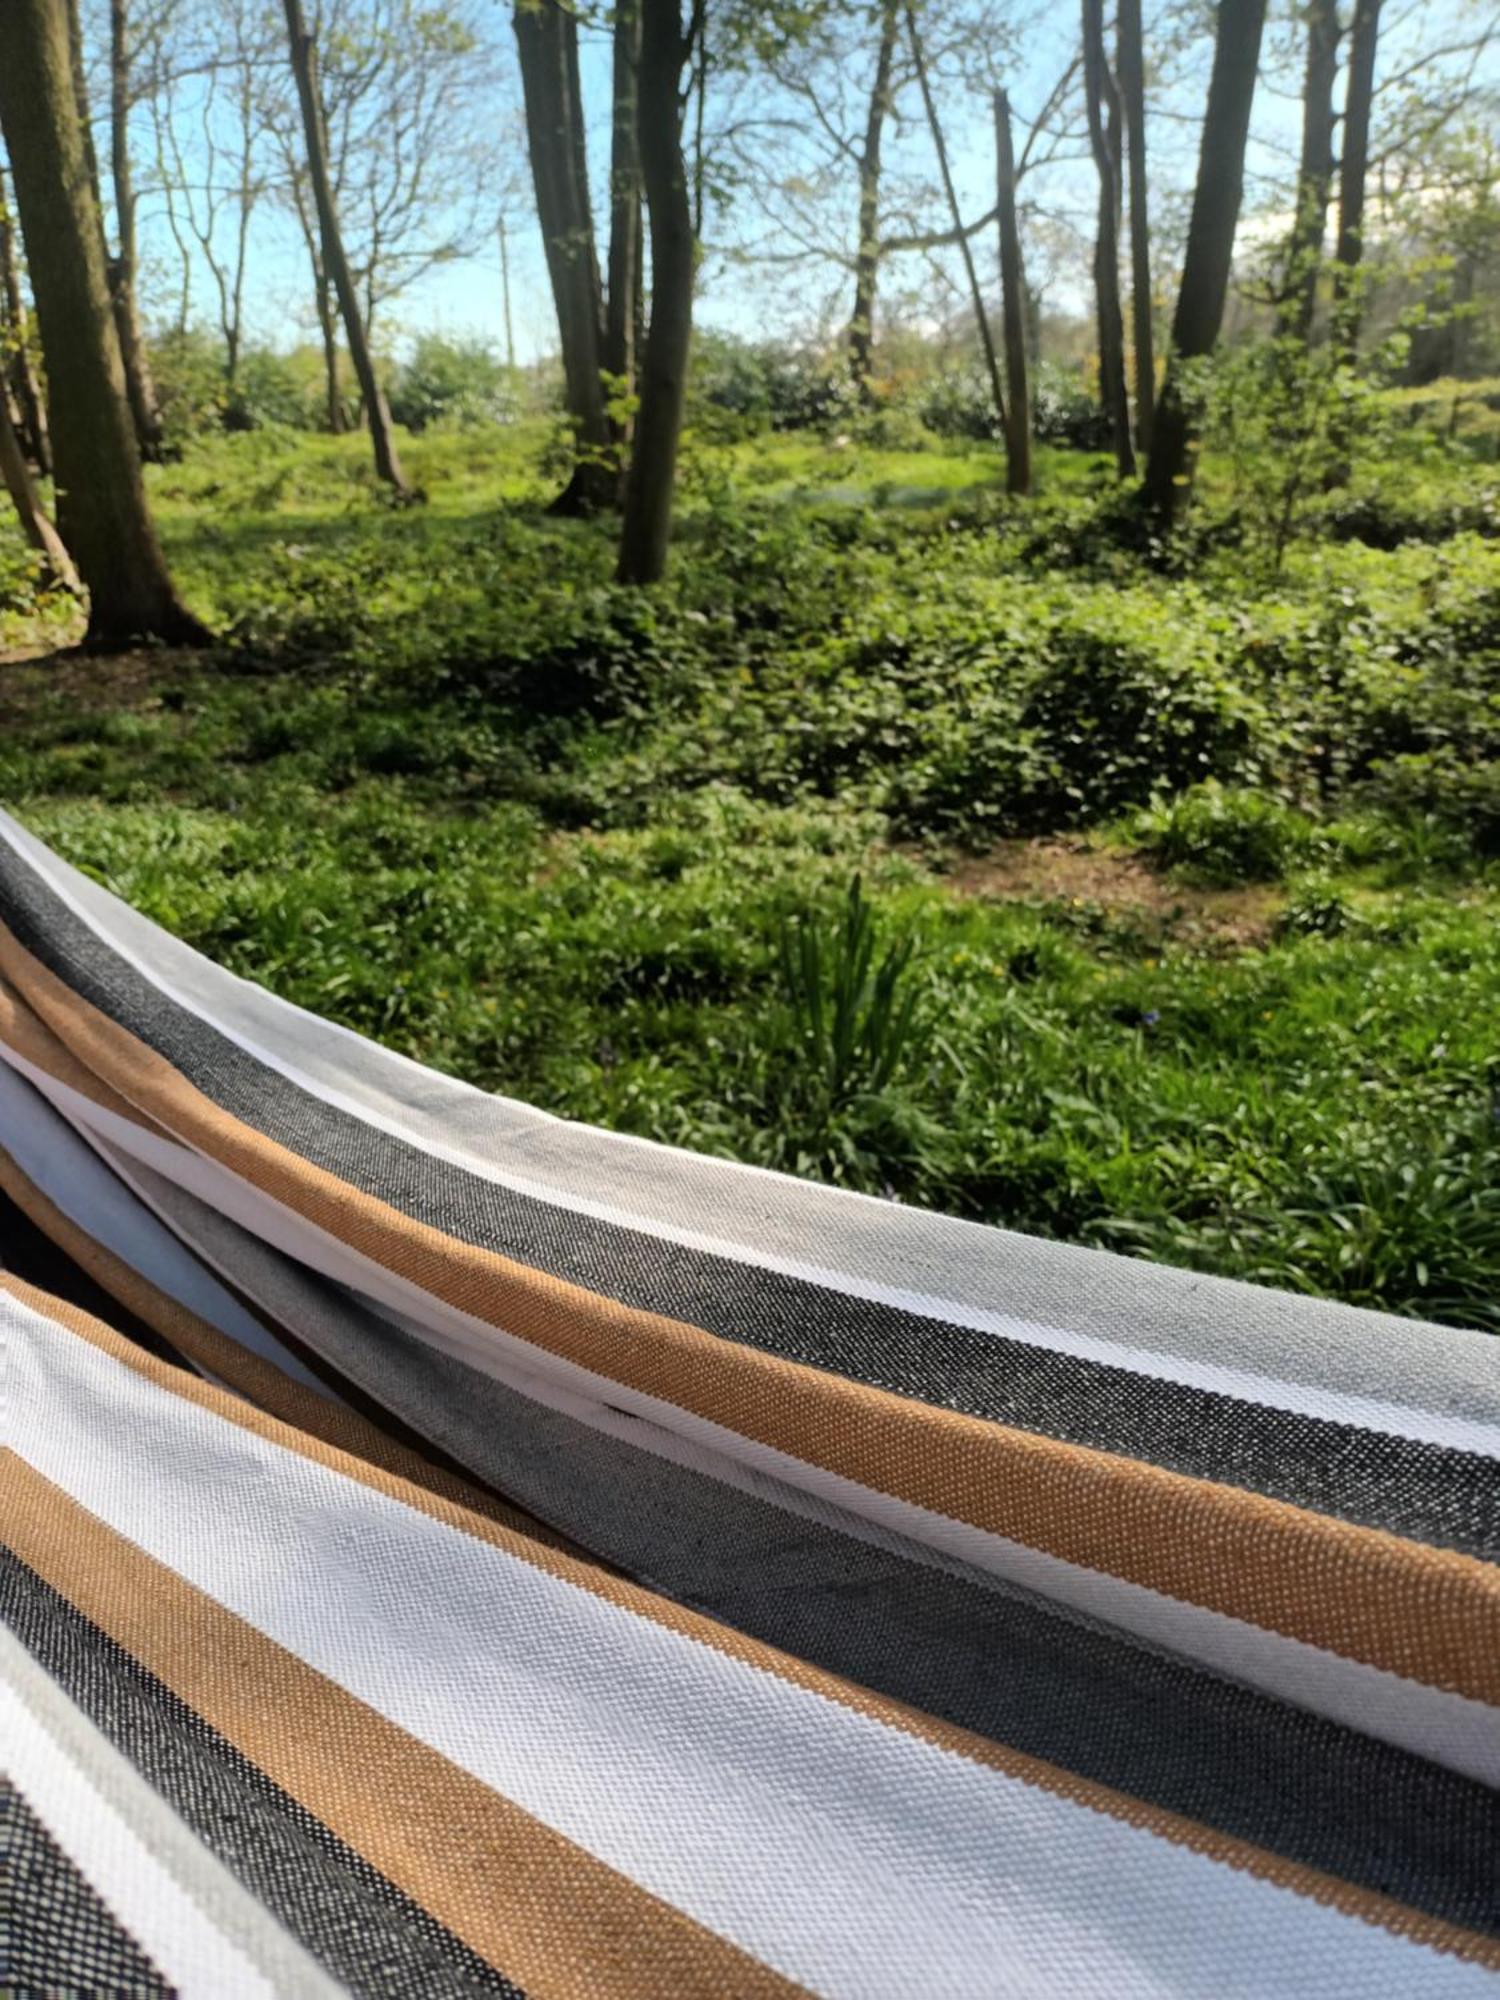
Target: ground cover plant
(1175, 918)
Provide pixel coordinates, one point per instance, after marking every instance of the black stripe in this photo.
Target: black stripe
(1004, 1664)
(367, 1932)
(1438, 1495)
(58, 1938)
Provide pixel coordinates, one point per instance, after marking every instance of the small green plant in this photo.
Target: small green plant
(1222, 835)
(853, 1003)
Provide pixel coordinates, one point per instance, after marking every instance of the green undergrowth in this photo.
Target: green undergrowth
(445, 782)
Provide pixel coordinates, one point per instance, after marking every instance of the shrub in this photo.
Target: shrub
(187, 366)
(458, 384)
(1445, 789)
(1225, 835)
(960, 403)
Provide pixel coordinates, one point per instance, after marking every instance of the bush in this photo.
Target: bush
(457, 384)
(1223, 836)
(1444, 789)
(187, 366)
(960, 403)
(740, 388)
(1063, 411)
(1124, 707)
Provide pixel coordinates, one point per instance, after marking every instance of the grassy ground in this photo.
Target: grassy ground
(1181, 865)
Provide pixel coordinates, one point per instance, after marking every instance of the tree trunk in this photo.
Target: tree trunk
(1314, 173)
(103, 517)
(861, 338)
(982, 318)
(57, 564)
(647, 526)
(547, 43)
(18, 364)
(1133, 103)
(335, 263)
(144, 407)
(1104, 141)
(328, 334)
(1364, 36)
(1012, 307)
(619, 351)
(1210, 243)
(510, 324)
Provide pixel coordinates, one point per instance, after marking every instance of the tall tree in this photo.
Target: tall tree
(619, 350)
(1354, 166)
(103, 516)
(1304, 251)
(213, 197)
(960, 234)
(1132, 68)
(867, 252)
(1012, 307)
(335, 262)
(15, 345)
(647, 525)
(1103, 105)
(144, 405)
(1215, 216)
(547, 43)
(57, 564)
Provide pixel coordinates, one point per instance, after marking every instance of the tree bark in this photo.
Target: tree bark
(103, 517)
(1364, 36)
(57, 564)
(335, 263)
(1102, 102)
(861, 337)
(510, 324)
(647, 526)
(619, 350)
(982, 318)
(547, 44)
(1132, 70)
(328, 334)
(145, 409)
(1012, 308)
(1314, 173)
(1210, 244)
(18, 364)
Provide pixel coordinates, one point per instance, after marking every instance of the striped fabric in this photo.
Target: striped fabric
(452, 1551)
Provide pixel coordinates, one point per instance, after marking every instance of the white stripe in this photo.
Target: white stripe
(849, 1855)
(59, 1159)
(179, 1939)
(1274, 1392)
(246, 1929)
(1452, 1730)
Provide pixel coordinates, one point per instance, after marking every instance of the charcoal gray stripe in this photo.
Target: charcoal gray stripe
(1434, 1493)
(349, 1916)
(1186, 1318)
(58, 1937)
(1005, 1664)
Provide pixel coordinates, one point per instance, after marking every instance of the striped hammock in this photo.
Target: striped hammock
(452, 1551)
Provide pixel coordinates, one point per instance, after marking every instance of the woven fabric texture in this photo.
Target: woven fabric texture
(448, 1551)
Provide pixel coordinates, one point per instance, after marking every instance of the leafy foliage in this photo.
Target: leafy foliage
(450, 785)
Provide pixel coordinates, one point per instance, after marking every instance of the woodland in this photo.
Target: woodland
(903, 590)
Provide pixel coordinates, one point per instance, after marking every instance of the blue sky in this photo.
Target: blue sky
(463, 297)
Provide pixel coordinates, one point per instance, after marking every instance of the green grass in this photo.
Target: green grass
(448, 784)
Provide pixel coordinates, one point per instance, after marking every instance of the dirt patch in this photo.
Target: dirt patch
(1121, 884)
(88, 683)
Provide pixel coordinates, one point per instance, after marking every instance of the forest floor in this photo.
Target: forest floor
(1197, 857)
